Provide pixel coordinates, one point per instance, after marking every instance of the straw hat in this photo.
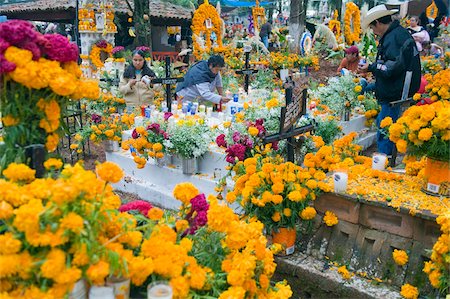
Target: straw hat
(376, 13)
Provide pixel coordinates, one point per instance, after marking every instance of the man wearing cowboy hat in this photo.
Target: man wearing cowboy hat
(397, 54)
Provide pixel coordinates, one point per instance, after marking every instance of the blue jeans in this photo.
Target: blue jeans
(265, 41)
(384, 145)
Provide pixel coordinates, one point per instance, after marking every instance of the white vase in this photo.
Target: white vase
(164, 161)
(79, 290)
(111, 146)
(96, 292)
(121, 287)
(189, 166)
(284, 73)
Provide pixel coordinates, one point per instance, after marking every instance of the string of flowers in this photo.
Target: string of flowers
(352, 23)
(99, 47)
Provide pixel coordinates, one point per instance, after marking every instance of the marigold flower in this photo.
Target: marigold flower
(10, 245)
(287, 212)
(184, 192)
(308, 213)
(155, 213)
(276, 217)
(409, 292)
(344, 272)
(400, 257)
(73, 222)
(425, 134)
(387, 121)
(253, 131)
(53, 163)
(97, 273)
(330, 218)
(19, 173)
(109, 172)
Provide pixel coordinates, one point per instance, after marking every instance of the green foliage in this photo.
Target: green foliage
(327, 129)
(263, 79)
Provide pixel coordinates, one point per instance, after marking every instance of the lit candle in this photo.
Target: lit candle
(159, 290)
(340, 180)
(379, 161)
(209, 111)
(201, 108)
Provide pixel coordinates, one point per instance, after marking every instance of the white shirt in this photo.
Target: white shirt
(205, 91)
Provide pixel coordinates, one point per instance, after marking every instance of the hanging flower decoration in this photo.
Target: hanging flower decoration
(97, 49)
(205, 21)
(335, 26)
(259, 16)
(432, 11)
(352, 23)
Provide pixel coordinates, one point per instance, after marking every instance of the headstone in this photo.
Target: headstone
(168, 82)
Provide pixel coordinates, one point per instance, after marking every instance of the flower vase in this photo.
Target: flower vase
(121, 286)
(284, 73)
(35, 157)
(101, 292)
(111, 146)
(346, 114)
(437, 174)
(119, 65)
(189, 165)
(79, 290)
(286, 237)
(164, 161)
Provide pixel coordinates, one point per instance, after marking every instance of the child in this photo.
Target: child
(432, 49)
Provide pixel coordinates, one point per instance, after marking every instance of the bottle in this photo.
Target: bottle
(234, 107)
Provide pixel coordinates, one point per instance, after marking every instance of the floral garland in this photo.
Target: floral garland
(258, 11)
(352, 23)
(432, 11)
(97, 49)
(204, 12)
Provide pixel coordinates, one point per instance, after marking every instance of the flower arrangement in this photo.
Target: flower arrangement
(118, 52)
(431, 65)
(147, 51)
(101, 46)
(189, 138)
(40, 74)
(438, 86)
(58, 236)
(273, 191)
(330, 219)
(422, 131)
(152, 141)
(352, 23)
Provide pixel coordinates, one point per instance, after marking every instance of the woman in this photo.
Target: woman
(419, 33)
(135, 84)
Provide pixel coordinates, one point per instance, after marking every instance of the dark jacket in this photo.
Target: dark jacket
(197, 74)
(397, 53)
(266, 28)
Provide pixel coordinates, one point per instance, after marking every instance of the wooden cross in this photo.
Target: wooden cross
(295, 107)
(247, 71)
(168, 82)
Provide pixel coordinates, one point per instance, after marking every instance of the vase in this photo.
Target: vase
(189, 166)
(120, 285)
(35, 158)
(159, 290)
(437, 174)
(97, 292)
(79, 290)
(286, 237)
(164, 161)
(284, 73)
(111, 145)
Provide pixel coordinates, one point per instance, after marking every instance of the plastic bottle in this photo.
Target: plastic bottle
(234, 107)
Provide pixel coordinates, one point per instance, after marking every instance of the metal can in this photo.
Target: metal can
(235, 97)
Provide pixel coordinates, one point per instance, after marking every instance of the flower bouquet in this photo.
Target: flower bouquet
(39, 77)
(118, 53)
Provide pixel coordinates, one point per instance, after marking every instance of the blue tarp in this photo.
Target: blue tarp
(237, 3)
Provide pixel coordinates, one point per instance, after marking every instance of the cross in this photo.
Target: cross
(247, 71)
(295, 107)
(168, 82)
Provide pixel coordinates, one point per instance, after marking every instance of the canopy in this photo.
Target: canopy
(237, 3)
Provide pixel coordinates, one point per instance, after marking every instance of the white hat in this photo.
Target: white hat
(376, 13)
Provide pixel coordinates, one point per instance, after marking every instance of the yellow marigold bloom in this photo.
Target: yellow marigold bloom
(73, 222)
(308, 213)
(97, 273)
(400, 257)
(425, 134)
(155, 213)
(272, 103)
(277, 199)
(9, 120)
(253, 131)
(180, 286)
(52, 142)
(409, 292)
(73, 146)
(157, 147)
(344, 272)
(20, 57)
(231, 197)
(401, 146)
(19, 173)
(387, 121)
(109, 133)
(417, 96)
(80, 257)
(330, 218)
(227, 124)
(140, 269)
(287, 212)
(234, 292)
(276, 217)
(295, 196)
(181, 225)
(358, 88)
(361, 97)
(55, 263)
(6, 210)
(184, 192)
(10, 245)
(109, 172)
(311, 184)
(53, 163)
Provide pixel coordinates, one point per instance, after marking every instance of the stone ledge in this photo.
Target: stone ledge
(309, 279)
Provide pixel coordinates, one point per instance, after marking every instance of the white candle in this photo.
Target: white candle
(379, 161)
(201, 108)
(159, 290)
(209, 111)
(138, 121)
(340, 180)
(174, 108)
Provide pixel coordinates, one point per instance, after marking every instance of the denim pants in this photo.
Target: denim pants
(265, 41)
(384, 145)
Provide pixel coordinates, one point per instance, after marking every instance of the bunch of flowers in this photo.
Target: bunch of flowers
(40, 74)
(422, 131)
(279, 60)
(118, 53)
(101, 46)
(140, 206)
(55, 229)
(152, 141)
(276, 193)
(437, 268)
(352, 23)
(147, 51)
(431, 65)
(438, 86)
(189, 138)
(106, 104)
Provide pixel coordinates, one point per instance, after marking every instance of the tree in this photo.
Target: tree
(297, 20)
(141, 16)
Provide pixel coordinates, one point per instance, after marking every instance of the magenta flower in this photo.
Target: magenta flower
(275, 145)
(199, 203)
(18, 32)
(154, 128)
(230, 159)
(117, 49)
(60, 49)
(33, 48)
(201, 219)
(236, 136)
(5, 65)
(96, 119)
(135, 134)
(220, 140)
(167, 115)
(138, 205)
(102, 44)
(237, 150)
(3, 45)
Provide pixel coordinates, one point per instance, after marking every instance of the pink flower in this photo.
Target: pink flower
(3, 45)
(220, 140)
(18, 32)
(167, 115)
(199, 203)
(237, 150)
(5, 65)
(33, 48)
(275, 145)
(138, 205)
(117, 49)
(102, 44)
(154, 128)
(236, 136)
(60, 49)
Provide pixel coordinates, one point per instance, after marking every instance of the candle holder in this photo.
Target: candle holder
(159, 290)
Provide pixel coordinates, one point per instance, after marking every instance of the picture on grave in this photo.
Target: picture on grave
(208, 24)
(100, 21)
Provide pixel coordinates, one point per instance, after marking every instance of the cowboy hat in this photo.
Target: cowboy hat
(376, 13)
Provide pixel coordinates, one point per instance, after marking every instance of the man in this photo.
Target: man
(266, 29)
(201, 80)
(397, 54)
(350, 61)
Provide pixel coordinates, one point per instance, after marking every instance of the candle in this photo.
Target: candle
(138, 121)
(201, 108)
(101, 292)
(159, 290)
(340, 180)
(209, 111)
(379, 161)
(174, 108)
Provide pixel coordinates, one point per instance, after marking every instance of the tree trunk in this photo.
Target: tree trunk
(297, 21)
(142, 23)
